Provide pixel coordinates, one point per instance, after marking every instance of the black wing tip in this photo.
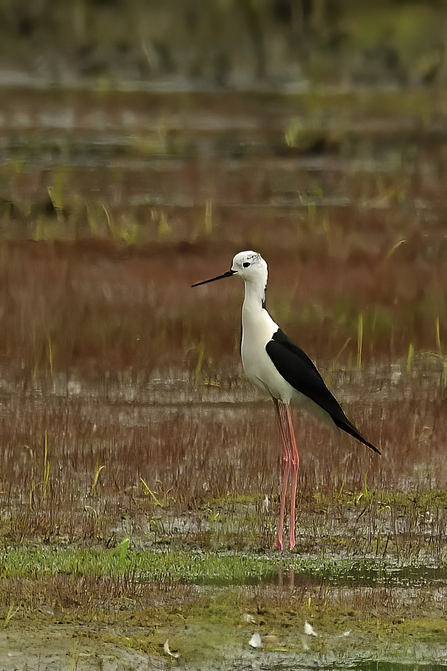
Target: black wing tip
(372, 447)
(347, 427)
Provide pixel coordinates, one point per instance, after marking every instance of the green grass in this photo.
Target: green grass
(201, 567)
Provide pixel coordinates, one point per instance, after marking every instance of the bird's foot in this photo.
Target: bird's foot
(279, 545)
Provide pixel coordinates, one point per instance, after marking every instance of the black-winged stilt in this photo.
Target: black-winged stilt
(280, 368)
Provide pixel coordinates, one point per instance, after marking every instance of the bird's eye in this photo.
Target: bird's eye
(246, 264)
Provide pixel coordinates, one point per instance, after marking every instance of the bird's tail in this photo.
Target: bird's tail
(348, 427)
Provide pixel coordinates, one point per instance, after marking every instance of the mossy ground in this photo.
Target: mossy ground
(211, 627)
(208, 603)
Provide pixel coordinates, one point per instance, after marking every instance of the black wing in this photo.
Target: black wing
(300, 372)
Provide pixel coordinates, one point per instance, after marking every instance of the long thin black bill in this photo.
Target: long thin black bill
(229, 273)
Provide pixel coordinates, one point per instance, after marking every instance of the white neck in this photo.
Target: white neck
(255, 317)
(254, 299)
(257, 329)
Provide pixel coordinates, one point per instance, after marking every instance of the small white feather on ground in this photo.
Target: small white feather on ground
(255, 641)
(309, 630)
(168, 652)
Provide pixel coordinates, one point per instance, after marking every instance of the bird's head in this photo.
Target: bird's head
(251, 267)
(248, 265)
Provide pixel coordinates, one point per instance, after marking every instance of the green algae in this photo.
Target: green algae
(211, 568)
(208, 604)
(215, 626)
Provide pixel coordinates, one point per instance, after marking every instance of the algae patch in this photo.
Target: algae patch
(212, 568)
(211, 629)
(133, 602)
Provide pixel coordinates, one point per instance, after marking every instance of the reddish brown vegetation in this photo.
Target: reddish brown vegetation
(107, 350)
(113, 318)
(95, 306)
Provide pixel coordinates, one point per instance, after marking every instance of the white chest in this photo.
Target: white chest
(257, 329)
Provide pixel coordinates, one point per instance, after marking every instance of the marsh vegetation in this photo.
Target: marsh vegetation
(139, 471)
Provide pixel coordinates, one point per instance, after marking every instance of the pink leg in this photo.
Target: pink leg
(295, 462)
(287, 459)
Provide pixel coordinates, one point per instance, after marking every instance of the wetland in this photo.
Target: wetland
(139, 471)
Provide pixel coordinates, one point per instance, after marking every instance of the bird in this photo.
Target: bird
(284, 371)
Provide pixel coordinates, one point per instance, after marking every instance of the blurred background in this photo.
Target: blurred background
(284, 45)
(142, 145)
